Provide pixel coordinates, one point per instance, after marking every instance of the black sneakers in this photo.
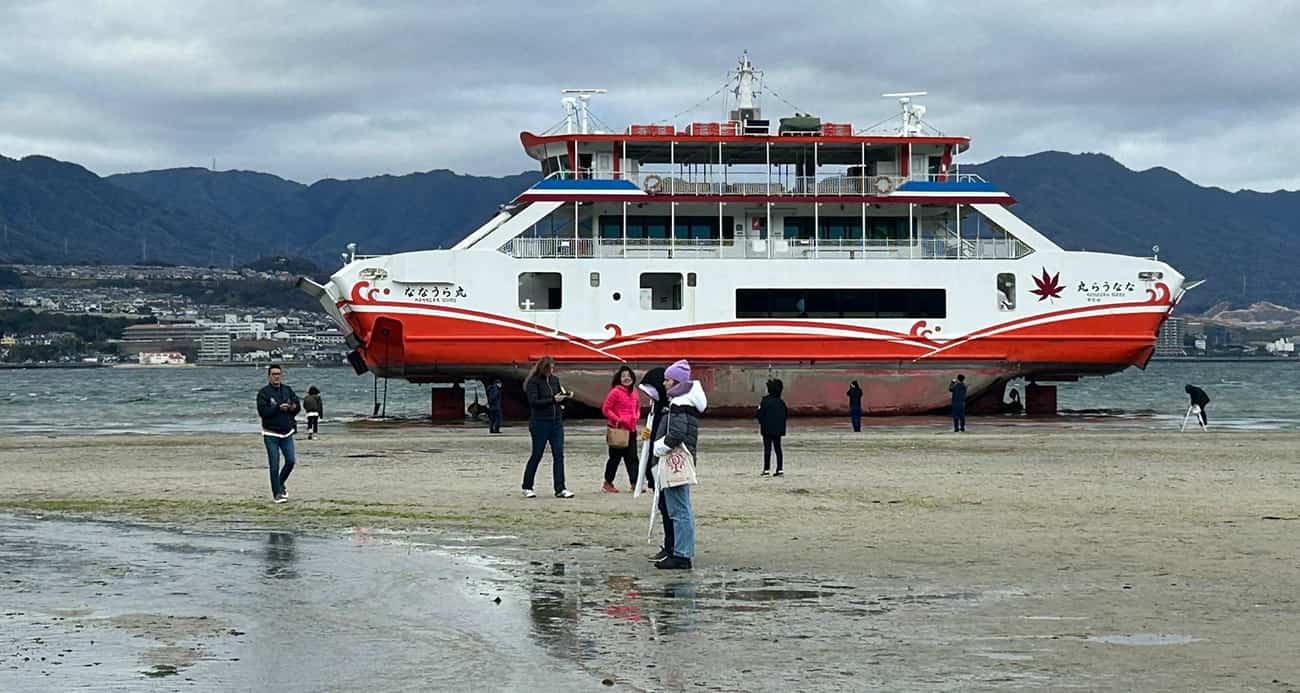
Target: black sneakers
(663, 553)
(673, 563)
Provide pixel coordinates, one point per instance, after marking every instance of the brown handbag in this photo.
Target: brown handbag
(618, 437)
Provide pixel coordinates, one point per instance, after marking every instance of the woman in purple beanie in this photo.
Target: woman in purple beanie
(686, 401)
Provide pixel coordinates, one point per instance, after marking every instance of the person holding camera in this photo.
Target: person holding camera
(546, 398)
(278, 405)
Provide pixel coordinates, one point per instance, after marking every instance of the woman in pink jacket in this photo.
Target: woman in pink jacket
(622, 409)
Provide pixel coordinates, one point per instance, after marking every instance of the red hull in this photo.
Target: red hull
(901, 372)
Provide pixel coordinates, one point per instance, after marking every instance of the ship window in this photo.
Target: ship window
(661, 291)
(690, 279)
(557, 164)
(656, 227)
(595, 279)
(1006, 291)
(540, 290)
(831, 228)
(841, 304)
(887, 228)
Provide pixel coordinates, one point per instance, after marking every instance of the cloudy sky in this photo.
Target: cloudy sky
(334, 89)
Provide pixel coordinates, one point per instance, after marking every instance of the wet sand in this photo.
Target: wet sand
(1034, 557)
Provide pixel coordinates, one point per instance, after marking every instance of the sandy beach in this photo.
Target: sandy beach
(1019, 558)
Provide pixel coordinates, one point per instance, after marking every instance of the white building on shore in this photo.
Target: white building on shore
(161, 358)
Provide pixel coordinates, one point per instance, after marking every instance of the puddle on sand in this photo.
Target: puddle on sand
(1142, 639)
(110, 605)
(741, 631)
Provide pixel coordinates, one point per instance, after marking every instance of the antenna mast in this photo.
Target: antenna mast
(911, 113)
(577, 109)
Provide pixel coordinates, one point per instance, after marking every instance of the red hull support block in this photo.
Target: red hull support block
(1040, 400)
(447, 403)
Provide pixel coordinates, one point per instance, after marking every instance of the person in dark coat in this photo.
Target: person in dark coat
(772, 414)
(278, 405)
(958, 389)
(494, 406)
(652, 384)
(546, 399)
(1200, 400)
(315, 408)
(855, 405)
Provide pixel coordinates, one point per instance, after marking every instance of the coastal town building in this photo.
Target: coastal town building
(214, 347)
(1281, 347)
(161, 358)
(1169, 342)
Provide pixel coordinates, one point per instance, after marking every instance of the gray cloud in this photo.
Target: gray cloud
(310, 90)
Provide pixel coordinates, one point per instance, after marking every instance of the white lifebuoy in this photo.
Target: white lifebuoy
(653, 183)
(883, 184)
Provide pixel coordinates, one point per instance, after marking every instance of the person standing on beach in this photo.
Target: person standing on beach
(315, 409)
(278, 405)
(680, 427)
(958, 389)
(1199, 400)
(855, 405)
(545, 424)
(621, 409)
(494, 406)
(772, 414)
(652, 384)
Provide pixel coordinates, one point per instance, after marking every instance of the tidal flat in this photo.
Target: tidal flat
(1015, 558)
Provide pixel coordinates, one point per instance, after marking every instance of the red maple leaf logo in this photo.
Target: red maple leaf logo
(1048, 286)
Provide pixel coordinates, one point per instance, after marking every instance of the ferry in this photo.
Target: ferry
(803, 249)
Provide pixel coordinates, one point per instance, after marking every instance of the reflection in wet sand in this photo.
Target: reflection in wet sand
(107, 606)
(280, 556)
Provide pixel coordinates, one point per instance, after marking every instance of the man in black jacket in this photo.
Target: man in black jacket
(1199, 400)
(277, 405)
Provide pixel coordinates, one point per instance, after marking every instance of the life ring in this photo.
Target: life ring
(883, 184)
(653, 183)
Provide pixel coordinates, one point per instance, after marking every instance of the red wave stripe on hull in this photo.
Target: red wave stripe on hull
(442, 335)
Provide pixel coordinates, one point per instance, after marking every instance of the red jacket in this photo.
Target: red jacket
(622, 408)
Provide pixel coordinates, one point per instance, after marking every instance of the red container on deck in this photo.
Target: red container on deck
(705, 129)
(837, 130)
(651, 130)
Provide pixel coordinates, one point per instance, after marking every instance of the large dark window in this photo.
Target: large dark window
(693, 228)
(841, 303)
(831, 228)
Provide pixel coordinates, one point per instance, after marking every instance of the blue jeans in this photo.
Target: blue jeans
(494, 421)
(678, 501)
(958, 421)
(545, 431)
(274, 446)
(855, 414)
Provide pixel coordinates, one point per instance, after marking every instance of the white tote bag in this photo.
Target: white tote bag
(678, 467)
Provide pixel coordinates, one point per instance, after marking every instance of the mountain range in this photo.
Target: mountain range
(58, 212)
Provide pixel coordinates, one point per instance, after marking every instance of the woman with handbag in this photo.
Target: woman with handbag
(676, 444)
(621, 409)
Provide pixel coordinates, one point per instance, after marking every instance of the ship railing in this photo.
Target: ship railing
(714, 183)
(549, 246)
(928, 248)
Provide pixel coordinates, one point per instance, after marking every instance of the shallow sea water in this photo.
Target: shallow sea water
(1245, 396)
